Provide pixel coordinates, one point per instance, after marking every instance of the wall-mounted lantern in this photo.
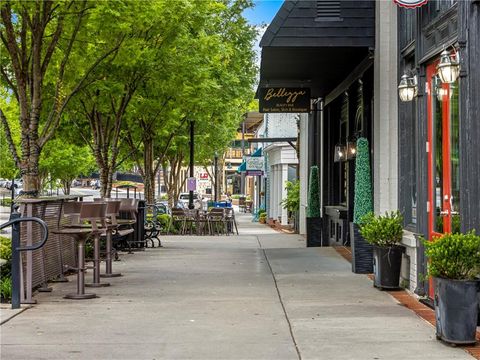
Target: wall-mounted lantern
(340, 153)
(407, 89)
(449, 67)
(351, 150)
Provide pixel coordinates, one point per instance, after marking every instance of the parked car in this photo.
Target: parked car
(3, 182)
(18, 183)
(197, 200)
(96, 184)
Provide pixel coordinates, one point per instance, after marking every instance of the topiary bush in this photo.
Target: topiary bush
(363, 203)
(313, 209)
(383, 231)
(454, 256)
(5, 274)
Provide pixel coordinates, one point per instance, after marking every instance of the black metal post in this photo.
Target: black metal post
(215, 177)
(242, 175)
(190, 193)
(13, 195)
(15, 270)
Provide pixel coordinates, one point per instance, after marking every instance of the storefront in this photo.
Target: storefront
(439, 137)
(328, 48)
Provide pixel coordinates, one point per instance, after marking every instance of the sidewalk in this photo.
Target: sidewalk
(260, 295)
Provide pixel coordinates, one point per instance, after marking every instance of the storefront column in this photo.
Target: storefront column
(385, 139)
(303, 172)
(284, 211)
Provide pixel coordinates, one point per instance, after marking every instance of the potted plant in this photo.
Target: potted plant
(362, 251)
(454, 264)
(314, 221)
(292, 202)
(262, 218)
(385, 234)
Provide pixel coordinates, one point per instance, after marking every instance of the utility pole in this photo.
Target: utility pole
(190, 193)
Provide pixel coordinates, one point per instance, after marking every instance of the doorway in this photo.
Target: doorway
(443, 156)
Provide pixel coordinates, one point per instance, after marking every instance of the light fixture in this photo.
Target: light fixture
(351, 150)
(443, 91)
(340, 153)
(448, 67)
(407, 89)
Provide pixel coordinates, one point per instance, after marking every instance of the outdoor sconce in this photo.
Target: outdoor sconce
(351, 150)
(340, 153)
(449, 67)
(407, 89)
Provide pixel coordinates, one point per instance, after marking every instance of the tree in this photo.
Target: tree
(47, 56)
(66, 162)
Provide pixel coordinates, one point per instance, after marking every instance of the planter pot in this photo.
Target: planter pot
(456, 310)
(387, 262)
(314, 232)
(362, 252)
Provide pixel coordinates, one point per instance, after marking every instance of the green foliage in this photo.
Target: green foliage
(363, 183)
(6, 202)
(164, 220)
(454, 256)
(381, 230)
(262, 215)
(6, 288)
(313, 209)
(65, 161)
(292, 201)
(262, 211)
(5, 275)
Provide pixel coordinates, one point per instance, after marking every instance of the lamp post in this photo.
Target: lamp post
(190, 192)
(215, 177)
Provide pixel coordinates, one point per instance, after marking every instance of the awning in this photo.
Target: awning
(316, 44)
(243, 165)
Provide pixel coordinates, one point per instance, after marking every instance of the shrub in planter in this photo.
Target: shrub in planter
(454, 264)
(385, 233)
(262, 218)
(362, 251)
(314, 221)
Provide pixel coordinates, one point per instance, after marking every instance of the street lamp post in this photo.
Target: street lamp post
(215, 177)
(190, 193)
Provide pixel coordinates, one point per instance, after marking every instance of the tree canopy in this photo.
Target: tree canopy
(123, 78)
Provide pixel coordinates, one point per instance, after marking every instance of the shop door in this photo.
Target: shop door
(443, 156)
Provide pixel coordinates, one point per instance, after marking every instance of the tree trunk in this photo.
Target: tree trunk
(149, 175)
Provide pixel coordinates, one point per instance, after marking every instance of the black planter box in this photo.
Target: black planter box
(387, 262)
(456, 310)
(314, 232)
(362, 252)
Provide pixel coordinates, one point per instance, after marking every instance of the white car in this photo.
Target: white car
(184, 197)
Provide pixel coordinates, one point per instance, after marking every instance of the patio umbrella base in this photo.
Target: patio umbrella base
(80, 296)
(110, 275)
(97, 284)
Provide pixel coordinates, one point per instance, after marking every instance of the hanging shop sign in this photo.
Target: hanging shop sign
(410, 4)
(254, 163)
(284, 100)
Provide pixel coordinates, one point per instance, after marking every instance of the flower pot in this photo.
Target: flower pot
(456, 310)
(387, 262)
(362, 252)
(314, 232)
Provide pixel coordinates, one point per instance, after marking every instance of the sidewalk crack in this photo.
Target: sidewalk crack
(281, 300)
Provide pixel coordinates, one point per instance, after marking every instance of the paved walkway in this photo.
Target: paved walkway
(260, 295)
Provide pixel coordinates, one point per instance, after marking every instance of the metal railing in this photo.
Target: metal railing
(15, 221)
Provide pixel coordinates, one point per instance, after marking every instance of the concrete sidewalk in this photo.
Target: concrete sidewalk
(261, 295)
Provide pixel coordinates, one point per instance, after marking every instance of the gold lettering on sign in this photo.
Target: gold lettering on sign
(283, 93)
